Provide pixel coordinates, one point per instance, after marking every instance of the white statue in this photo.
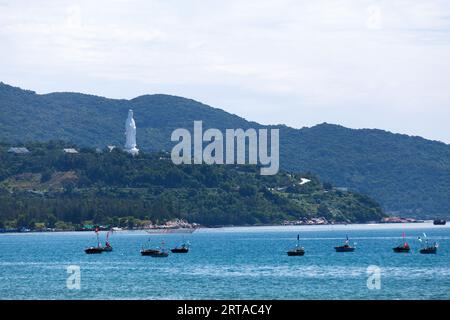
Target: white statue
(130, 133)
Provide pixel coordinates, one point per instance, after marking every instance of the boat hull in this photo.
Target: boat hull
(179, 250)
(160, 255)
(148, 252)
(93, 250)
(428, 251)
(344, 249)
(401, 250)
(295, 253)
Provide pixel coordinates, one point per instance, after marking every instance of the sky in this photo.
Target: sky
(361, 64)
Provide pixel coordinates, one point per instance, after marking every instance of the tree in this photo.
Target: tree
(51, 220)
(248, 191)
(22, 221)
(327, 186)
(46, 176)
(324, 211)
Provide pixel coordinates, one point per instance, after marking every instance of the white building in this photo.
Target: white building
(18, 150)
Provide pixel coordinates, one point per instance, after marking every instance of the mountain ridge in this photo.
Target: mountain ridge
(277, 125)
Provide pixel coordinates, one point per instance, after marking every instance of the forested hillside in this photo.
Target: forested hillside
(407, 175)
(47, 186)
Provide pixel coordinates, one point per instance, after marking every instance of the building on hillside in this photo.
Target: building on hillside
(70, 150)
(18, 150)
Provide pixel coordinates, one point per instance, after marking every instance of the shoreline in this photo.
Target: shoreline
(228, 227)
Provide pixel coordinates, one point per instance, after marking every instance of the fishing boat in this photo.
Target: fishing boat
(183, 248)
(346, 247)
(94, 250)
(148, 252)
(156, 253)
(427, 248)
(297, 250)
(439, 222)
(403, 247)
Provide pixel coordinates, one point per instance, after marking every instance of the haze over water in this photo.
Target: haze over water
(229, 263)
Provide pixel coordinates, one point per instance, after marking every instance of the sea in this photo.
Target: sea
(230, 263)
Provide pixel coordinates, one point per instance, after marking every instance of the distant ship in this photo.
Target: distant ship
(403, 247)
(346, 247)
(439, 222)
(297, 250)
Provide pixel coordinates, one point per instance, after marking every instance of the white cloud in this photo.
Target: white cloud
(359, 63)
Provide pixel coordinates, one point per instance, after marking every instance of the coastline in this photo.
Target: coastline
(268, 227)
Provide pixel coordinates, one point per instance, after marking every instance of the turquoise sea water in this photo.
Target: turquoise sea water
(229, 263)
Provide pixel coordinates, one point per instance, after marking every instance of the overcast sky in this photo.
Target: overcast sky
(362, 64)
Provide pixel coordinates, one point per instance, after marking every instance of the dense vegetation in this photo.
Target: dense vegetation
(407, 175)
(50, 187)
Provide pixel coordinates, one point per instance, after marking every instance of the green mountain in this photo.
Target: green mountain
(407, 175)
(48, 185)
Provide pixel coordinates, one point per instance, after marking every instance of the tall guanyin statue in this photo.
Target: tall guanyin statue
(130, 133)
